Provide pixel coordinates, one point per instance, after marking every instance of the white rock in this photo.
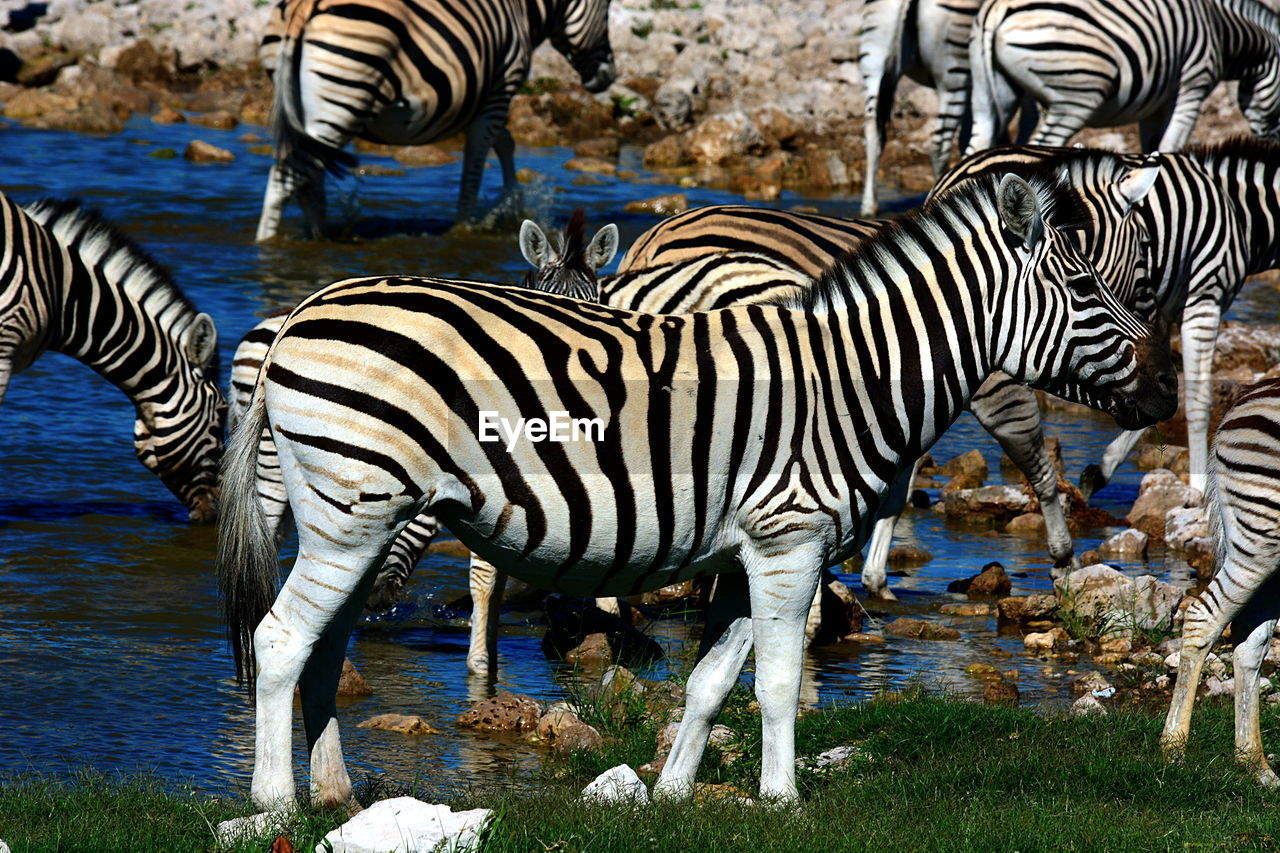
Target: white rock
(1126, 543)
(617, 785)
(1214, 686)
(1214, 665)
(1182, 524)
(1173, 660)
(835, 755)
(1088, 705)
(231, 831)
(407, 825)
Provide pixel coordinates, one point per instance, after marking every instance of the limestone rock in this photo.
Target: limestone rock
(409, 724)
(577, 737)
(407, 825)
(1088, 683)
(1000, 692)
(168, 115)
(963, 480)
(29, 103)
(594, 648)
(989, 503)
(1090, 591)
(1151, 456)
(92, 117)
(1183, 524)
(920, 629)
(199, 151)
(218, 120)
(721, 137)
(617, 785)
(1127, 543)
(662, 205)
(424, 155)
(839, 613)
(591, 165)
(572, 621)
(1046, 641)
(601, 147)
(1161, 490)
(975, 609)
(1028, 522)
(991, 581)
(670, 152)
(506, 712)
(908, 555)
(1088, 706)
(972, 462)
(1025, 608)
(351, 682)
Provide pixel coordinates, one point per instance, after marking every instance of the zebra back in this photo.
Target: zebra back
(704, 284)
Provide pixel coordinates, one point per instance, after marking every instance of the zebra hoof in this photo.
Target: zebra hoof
(1091, 481)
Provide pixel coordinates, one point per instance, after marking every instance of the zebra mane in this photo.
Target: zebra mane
(574, 241)
(118, 261)
(1242, 147)
(862, 266)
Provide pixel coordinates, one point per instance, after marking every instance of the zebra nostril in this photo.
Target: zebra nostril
(1167, 382)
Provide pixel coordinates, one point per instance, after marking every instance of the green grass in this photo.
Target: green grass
(934, 773)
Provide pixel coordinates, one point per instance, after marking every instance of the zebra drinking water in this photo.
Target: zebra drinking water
(751, 442)
(71, 283)
(406, 73)
(1149, 61)
(1244, 512)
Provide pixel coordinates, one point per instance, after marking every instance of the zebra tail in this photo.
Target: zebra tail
(1213, 505)
(890, 52)
(982, 71)
(248, 571)
(289, 119)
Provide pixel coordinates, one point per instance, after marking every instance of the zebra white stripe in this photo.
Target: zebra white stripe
(1244, 508)
(752, 441)
(1102, 63)
(72, 284)
(405, 73)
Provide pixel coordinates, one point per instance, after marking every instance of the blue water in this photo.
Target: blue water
(111, 650)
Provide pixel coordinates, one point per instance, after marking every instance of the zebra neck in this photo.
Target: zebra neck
(1251, 186)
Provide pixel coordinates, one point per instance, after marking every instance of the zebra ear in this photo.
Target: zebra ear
(1135, 185)
(603, 247)
(533, 244)
(200, 340)
(1019, 208)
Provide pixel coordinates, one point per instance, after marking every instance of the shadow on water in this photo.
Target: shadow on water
(168, 512)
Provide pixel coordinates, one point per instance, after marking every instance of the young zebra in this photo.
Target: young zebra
(751, 442)
(811, 242)
(406, 73)
(71, 283)
(1244, 508)
(1213, 220)
(1149, 61)
(928, 41)
(568, 267)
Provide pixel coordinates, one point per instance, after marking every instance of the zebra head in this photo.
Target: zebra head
(571, 269)
(178, 435)
(583, 37)
(1065, 331)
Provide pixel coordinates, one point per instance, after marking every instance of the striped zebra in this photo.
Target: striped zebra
(408, 73)
(1213, 220)
(1244, 511)
(751, 442)
(568, 266)
(71, 283)
(811, 242)
(1101, 64)
(928, 41)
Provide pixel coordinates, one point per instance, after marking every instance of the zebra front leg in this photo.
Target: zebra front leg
(1057, 125)
(1200, 324)
(725, 643)
(1097, 475)
(781, 588)
(487, 585)
(1201, 627)
(279, 188)
(1011, 414)
(1256, 623)
(481, 136)
(875, 580)
(873, 137)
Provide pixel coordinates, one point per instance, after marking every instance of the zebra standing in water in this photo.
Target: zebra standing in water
(752, 442)
(1150, 61)
(1244, 511)
(406, 73)
(811, 242)
(70, 283)
(928, 41)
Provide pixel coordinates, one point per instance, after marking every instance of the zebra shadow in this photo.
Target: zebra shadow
(28, 510)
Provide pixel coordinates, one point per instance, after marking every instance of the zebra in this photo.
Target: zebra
(568, 267)
(405, 73)
(811, 242)
(1102, 64)
(927, 40)
(750, 442)
(71, 283)
(1243, 503)
(1213, 220)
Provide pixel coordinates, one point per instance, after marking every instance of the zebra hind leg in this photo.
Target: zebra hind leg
(1256, 624)
(875, 581)
(725, 644)
(406, 551)
(481, 136)
(487, 585)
